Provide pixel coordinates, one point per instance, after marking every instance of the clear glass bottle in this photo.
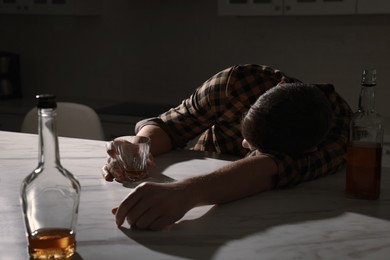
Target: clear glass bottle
(364, 153)
(50, 195)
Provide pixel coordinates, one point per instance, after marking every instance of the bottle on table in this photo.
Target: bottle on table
(50, 195)
(364, 152)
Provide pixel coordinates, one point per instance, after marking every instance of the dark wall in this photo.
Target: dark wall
(159, 51)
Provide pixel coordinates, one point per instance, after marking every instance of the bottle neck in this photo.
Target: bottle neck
(48, 141)
(367, 99)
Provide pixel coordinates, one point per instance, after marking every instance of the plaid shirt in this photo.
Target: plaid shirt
(214, 112)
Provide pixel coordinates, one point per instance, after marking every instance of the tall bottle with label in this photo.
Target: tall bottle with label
(364, 153)
(50, 195)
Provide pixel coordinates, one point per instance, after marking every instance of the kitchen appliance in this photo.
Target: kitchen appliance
(10, 86)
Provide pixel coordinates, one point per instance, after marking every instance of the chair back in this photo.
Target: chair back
(73, 120)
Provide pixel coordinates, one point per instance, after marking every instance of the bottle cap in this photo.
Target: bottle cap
(369, 77)
(46, 101)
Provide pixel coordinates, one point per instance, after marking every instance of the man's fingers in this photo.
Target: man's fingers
(106, 174)
(125, 206)
(161, 223)
(150, 161)
(110, 148)
(114, 210)
(147, 218)
(113, 170)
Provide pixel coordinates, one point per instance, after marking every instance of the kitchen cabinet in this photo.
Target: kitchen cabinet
(373, 7)
(51, 7)
(301, 7)
(319, 7)
(250, 7)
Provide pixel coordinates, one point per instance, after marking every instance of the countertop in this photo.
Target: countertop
(313, 220)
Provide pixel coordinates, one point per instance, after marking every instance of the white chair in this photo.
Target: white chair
(73, 120)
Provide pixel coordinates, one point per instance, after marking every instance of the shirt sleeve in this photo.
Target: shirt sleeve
(195, 115)
(330, 153)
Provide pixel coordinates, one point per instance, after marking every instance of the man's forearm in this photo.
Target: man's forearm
(161, 143)
(156, 205)
(239, 179)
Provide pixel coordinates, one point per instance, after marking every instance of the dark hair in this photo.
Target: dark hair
(290, 118)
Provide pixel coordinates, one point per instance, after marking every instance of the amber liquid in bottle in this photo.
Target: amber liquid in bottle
(57, 243)
(363, 170)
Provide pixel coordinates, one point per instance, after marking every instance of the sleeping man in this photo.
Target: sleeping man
(286, 132)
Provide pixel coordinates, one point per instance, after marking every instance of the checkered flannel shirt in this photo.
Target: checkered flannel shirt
(214, 111)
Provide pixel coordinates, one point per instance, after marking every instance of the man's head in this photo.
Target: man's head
(291, 118)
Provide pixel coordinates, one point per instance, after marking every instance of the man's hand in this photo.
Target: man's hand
(153, 205)
(114, 169)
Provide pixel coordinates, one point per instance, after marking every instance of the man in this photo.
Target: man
(294, 132)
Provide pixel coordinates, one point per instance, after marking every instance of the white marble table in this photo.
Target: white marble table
(310, 221)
